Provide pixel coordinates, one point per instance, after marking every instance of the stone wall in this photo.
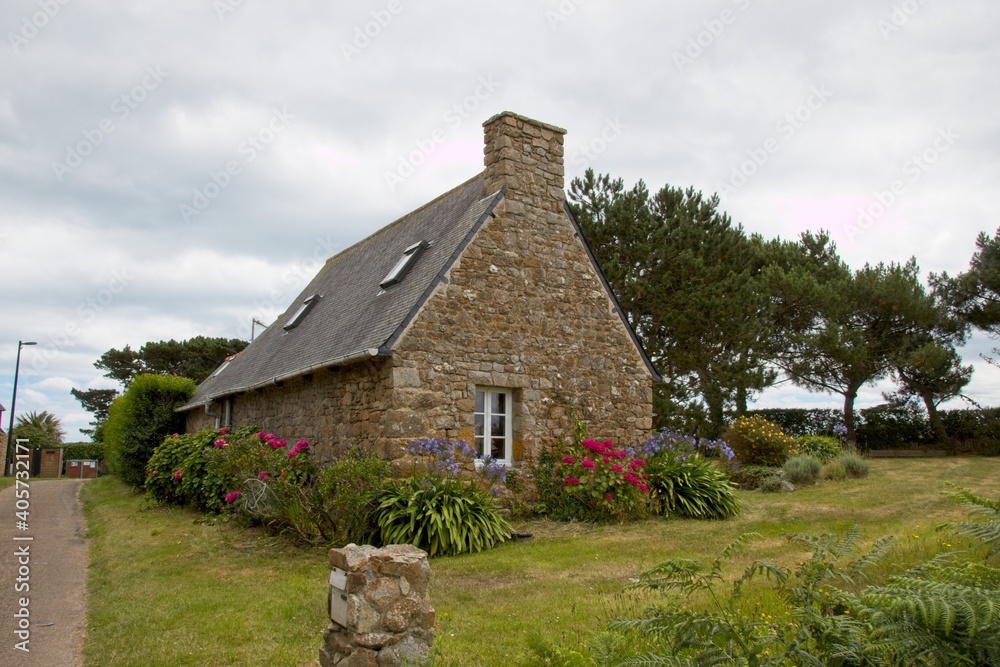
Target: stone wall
(523, 308)
(388, 620)
(331, 409)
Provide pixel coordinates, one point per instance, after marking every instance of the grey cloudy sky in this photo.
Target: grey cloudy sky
(172, 169)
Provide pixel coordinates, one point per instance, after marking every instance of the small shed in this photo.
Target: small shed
(50, 462)
(81, 469)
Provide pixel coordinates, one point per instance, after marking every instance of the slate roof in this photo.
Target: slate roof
(354, 318)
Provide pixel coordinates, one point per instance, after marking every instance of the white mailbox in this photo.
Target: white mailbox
(338, 597)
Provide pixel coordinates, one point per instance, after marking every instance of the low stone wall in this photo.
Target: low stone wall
(384, 609)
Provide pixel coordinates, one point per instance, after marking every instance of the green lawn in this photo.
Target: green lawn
(165, 590)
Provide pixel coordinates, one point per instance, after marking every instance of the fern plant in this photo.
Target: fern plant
(986, 529)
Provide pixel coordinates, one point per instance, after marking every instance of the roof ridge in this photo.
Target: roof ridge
(406, 215)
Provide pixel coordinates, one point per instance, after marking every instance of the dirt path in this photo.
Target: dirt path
(53, 565)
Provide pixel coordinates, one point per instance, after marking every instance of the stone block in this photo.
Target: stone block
(352, 558)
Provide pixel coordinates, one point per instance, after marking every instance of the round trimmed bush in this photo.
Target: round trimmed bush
(822, 447)
(802, 469)
(756, 441)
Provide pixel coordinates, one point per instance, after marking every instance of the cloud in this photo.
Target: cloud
(184, 89)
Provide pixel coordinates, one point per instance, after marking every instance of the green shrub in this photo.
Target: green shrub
(552, 501)
(855, 466)
(751, 476)
(140, 419)
(822, 447)
(802, 469)
(179, 473)
(443, 516)
(835, 470)
(690, 487)
(756, 441)
(347, 494)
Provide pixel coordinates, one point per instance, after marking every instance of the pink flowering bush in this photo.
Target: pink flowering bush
(604, 482)
(259, 477)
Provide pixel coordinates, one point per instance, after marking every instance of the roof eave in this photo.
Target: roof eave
(342, 360)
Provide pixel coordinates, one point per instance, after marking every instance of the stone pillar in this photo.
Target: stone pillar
(385, 605)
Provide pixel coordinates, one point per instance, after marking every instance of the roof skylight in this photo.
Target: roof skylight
(403, 265)
(300, 314)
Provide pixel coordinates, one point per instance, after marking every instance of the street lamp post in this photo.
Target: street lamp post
(13, 399)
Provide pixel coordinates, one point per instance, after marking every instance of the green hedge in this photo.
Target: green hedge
(83, 451)
(897, 427)
(140, 419)
(800, 421)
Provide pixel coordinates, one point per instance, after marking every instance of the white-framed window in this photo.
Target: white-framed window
(494, 424)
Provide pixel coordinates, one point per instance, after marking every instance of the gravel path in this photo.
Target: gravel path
(53, 565)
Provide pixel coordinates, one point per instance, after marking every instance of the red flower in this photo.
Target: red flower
(643, 488)
(175, 435)
(232, 496)
(608, 496)
(570, 481)
(263, 475)
(220, 443)
(223, 431)
(617, 468)
(587, 463)
(607, 460)
(636, 464)
(569, 460)
(177, 474)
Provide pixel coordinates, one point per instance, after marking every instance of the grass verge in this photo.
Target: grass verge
(165, 590)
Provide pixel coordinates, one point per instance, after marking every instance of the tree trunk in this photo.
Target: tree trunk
(715, 400)
(935, 419)
(849, 396)
(741, 401)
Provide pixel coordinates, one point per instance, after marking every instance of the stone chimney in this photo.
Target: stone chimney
(526, 156)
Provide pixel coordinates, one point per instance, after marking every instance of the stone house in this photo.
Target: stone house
(481, 315)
